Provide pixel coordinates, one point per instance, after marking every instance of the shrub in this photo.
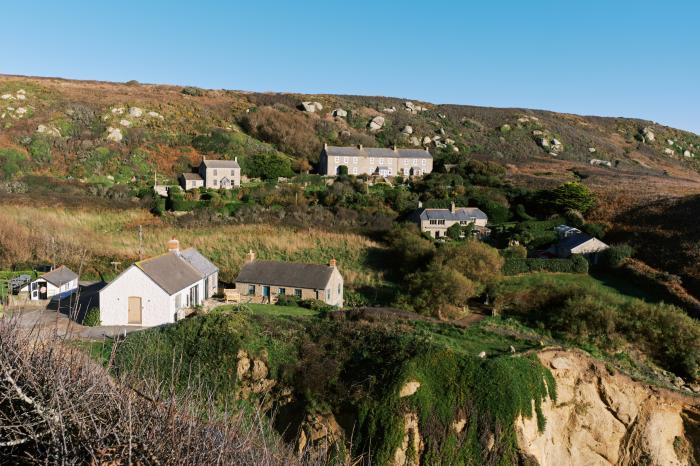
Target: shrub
(12, 162)
(515, 251)
(40, 150)
(315, 305)
(477, 261)
(515, 266)
(285, 300)
(268, 166)
(455, 232)
(343, 170)
(291, 132)
(193, 91)
(92, 317)
(439, 291)
(614, 256)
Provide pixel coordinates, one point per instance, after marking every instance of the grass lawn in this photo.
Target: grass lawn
(602, 282)
(271, 310)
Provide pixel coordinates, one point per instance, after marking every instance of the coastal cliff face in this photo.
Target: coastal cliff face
(605, 418)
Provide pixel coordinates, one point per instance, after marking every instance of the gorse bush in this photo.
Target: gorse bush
(614, 256)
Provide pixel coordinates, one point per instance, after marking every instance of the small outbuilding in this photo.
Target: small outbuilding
(579, 243)
(58, 283)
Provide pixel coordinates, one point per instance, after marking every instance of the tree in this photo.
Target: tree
(410, 251)
(477, 261)
(454, 232)
(439, 291)
(342, 170)
(572, 195)
(268, 166)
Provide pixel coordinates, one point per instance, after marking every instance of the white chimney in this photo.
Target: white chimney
(394, 147)
(173, 245)
(325, 146)
(333, 263)
(235, 159)
(452, 207)
(420, 204)
(250, 257)
(359, 146)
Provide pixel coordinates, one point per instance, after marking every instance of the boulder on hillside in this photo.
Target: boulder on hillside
(135, 112)
(414, 141)
(391, 109)
(592, 150)
(668, 151)
(340, 113)
(427, 140)
(114, 134)
(311, 107)
(686, 153)
(648, 134)
(48, 130)
(376, 123)
(407, 129)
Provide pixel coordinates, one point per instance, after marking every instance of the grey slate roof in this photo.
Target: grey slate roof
(573, 241)
(287, 274)
(170, 271)
(192, 177)
(460, 213)
(199, 262)
(354, 151)
(59, 276)
(220, 164)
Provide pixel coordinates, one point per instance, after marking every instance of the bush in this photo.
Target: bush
(285, 300)
(193, 91)
(515, 266)
(290, 132)
(343, 170)
(92, 317)
(12, 162)
(572, 196)
(40, 150)
(515, 251)
(439, 291)
(614, 256)
(315, 305)
(455, 232)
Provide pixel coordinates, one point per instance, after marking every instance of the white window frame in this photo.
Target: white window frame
(423, 161)
(371, 160)
(345, 160)
(337, 159)
(381, 161)
(354, 170)
(354, 160)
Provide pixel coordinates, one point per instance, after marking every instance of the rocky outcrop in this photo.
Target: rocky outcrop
(251, 374)
(319, 430)
(411, 448)
(409, 388)
(340, 113)
(604, 418)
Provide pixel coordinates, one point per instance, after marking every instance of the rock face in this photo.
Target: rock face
(648, 134)
(409, 388)
(604, 419)
(411, 448)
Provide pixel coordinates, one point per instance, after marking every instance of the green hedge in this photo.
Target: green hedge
(515, 266)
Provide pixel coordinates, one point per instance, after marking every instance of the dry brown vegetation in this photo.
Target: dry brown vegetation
(57, 406)
(97, 237)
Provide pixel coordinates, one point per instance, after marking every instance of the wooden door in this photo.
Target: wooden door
(134, 310)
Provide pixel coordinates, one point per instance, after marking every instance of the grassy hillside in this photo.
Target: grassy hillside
(354, 372)
(91, 239)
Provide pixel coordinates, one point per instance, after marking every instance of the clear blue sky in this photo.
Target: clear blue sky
(613, 57)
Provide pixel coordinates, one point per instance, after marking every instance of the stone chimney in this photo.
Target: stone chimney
(420, 204)
(173, 245)
(359, 146)
(325, 146)
(426, 149)
(452, 207)
(394, 147)
(250, 257)
(332, 263)
(204, 157)
(235, 159)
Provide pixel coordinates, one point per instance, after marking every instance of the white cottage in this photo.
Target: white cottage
(157, 291)
(60, 282)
